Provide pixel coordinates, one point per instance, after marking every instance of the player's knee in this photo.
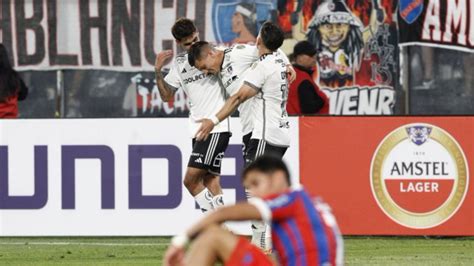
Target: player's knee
(191, 180)
(211, 234)
(213, 229)
(189, 183)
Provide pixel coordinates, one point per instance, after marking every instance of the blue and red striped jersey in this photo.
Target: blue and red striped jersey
(304, 232)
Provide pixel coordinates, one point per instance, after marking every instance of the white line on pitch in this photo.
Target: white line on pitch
(82, 244)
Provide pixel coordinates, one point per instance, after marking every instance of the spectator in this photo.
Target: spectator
(305, 97)
(12, 87)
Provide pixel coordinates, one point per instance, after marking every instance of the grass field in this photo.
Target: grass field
(150, 250)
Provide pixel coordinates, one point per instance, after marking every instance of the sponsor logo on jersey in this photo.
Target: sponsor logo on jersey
(410, 10)
(419, 176)
(194, 78)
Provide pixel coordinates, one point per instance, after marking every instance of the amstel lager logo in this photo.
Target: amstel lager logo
(419, 176)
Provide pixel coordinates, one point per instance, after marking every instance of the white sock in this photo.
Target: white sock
(257, 226)
(261, 232)
(218, 201)
(204, 200)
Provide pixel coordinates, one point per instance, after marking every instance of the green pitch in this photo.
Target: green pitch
(150, 250)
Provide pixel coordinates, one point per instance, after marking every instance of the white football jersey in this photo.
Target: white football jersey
(205, 95)
(236, 65)
(269, 117)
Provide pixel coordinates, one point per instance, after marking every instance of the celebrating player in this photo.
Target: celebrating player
(233, 65)
(205, 99)
(266, 79)
(304, 230)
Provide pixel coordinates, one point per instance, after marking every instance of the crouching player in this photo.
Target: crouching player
(304, 232)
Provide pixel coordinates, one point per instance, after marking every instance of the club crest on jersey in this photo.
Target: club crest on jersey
(181, 59)
(419, 186)
(419, 134)
(253, 13)
(410, 10)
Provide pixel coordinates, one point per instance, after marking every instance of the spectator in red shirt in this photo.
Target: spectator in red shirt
(304, 96)
(12, 87)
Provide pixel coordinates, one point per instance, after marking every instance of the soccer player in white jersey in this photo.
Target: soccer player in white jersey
(265, 114)
(205, 97)
(231, 66)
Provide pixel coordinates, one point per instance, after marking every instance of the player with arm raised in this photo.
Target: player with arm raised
(205, 97)
(304, 230)
(261, 97)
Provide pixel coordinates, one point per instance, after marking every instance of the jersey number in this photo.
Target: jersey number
(284, 98)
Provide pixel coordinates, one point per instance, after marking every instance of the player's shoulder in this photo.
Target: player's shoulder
(282, 199)
(266, 63)
(242, 49)
(182, 65)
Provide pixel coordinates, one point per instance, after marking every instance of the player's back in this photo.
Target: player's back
(304, 231)
(236, 64)
(269, 116)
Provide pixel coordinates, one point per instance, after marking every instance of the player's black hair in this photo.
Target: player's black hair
(271, 35)
(183, 28)
(195, 52)
(268, 164)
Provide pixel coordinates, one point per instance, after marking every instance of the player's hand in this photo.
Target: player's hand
(163, 58)
(174, 256)
(291, 73)
(206, 127)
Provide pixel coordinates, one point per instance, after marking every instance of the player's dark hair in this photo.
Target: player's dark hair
(195, 52)
(183, 28)
(271, 35)
(268, 164)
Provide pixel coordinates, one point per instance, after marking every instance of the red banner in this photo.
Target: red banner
(392, 175)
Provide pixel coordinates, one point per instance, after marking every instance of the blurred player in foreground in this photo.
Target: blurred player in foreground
(206, 98)
(303, 229)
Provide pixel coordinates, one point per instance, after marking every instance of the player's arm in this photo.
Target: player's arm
(239, 212)
(166, 90)
(245, 92)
